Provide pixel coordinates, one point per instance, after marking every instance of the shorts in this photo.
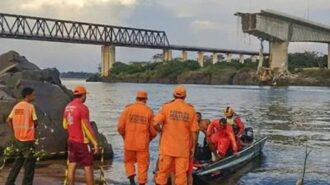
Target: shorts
(80, 153)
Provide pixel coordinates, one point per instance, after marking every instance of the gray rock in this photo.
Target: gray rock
(6, 103)
(12, 57)
(222, 78)
(17, 73)
(51, 75)
(194, 77)
(14, 78)
(245, 78)
(103, 141)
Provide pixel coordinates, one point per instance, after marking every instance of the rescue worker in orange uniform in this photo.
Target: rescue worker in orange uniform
(190, 169)
(222, 137)
(135, 126)
(235, 121)
(177, 123)
(80, 135)
(23, 121)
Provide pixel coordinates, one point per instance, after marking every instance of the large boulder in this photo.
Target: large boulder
(13, 62)
(15, 74)
(6, 103)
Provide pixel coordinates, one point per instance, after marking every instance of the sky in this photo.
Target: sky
(206, 23)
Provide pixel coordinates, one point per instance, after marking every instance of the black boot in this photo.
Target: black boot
(131, 180)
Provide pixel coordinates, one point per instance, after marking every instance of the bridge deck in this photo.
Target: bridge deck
(272, 25)
(294, 19)
(56, 30)
(214, 50)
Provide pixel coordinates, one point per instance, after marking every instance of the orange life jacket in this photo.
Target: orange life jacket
(23, 116)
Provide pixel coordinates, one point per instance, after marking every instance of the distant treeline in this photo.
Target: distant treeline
(72, 74)
(307, 60)
(176, 68)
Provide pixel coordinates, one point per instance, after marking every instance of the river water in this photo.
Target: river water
(292, 117)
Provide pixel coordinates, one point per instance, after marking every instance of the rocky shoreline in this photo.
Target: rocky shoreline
(16, 72)
(307, 77)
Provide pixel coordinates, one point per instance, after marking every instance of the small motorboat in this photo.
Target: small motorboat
(208, 172)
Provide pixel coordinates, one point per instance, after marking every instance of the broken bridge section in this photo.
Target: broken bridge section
(279, 29)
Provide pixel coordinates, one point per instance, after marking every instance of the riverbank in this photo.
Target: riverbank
(176, 72)
(52, 172)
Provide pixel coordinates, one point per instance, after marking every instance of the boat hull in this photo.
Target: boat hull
(230, 164)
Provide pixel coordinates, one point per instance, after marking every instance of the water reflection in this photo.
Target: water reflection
(291, 117)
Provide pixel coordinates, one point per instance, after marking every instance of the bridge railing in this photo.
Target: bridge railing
(36, 28)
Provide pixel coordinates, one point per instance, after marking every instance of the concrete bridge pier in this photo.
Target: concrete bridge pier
(254, 59)
(329, 56)
(228, 56)
(279, 55)
(215, 58)
(167, 55)
(241, 59)
(184, 55)
(261, 60)
(108, 54)
(200, 58)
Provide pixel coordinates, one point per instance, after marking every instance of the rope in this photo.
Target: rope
(102, 177)
(12, 151)
(65, 182)
(3, 164)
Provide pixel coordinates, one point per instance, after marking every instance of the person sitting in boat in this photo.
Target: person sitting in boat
(221, 135)
(202, 123)
(202, 151)
(235, 121)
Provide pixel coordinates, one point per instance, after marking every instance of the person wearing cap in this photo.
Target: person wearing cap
(221, 136)
(23, 121)
(235, 121)
(135, 126)
(80, 135)
(177, 123)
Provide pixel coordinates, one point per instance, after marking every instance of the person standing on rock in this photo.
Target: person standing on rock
(135, 126)
(80, 135)
(177, 122)
(23, 121)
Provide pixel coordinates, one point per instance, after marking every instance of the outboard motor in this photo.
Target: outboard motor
(203, 152)
(247, 137)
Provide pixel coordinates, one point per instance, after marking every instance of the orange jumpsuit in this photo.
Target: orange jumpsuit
(135, 126)
(222, 138)
(238, 127)
(178, 120)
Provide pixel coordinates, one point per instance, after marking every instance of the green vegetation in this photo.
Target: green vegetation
(308, 66)
(317, 73)
(154, 69)
(306, 60)
(177, 71)
(81, 75)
